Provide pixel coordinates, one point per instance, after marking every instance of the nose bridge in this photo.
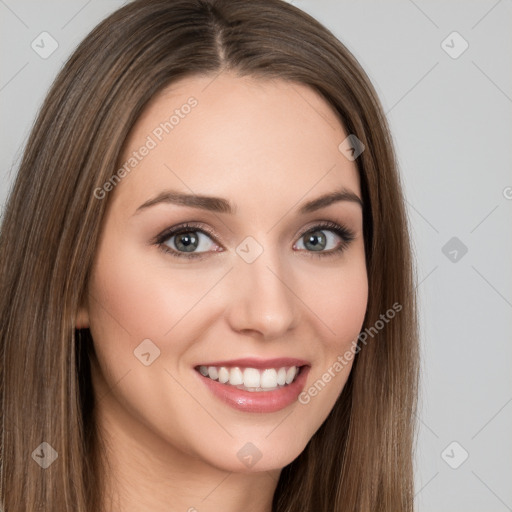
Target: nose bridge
(264, 300)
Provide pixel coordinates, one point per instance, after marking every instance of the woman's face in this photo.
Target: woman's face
(243, 294)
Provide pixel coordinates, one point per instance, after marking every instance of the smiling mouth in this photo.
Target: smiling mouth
(252, 379)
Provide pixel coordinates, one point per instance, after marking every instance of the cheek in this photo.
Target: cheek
(340, 301)
(125, 300)
(348, 311)
(339, 298)
(136, 298)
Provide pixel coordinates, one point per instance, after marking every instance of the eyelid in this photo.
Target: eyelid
(326, 224)
(184, 227)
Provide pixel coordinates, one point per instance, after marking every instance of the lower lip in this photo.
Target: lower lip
(258, 401)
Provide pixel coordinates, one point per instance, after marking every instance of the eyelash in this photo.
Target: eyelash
(346, 235)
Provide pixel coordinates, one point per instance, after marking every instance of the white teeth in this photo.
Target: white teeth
(290, 374)
(251, 379)
(235, 376)
(223, 375)
(212, 371)
(281, 377)
(269, 379)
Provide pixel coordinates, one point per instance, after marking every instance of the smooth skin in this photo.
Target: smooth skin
(267, 147)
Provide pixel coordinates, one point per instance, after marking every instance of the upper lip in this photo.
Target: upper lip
(251, 362)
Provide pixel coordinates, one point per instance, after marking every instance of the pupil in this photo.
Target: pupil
(317, 240)
(188, 241)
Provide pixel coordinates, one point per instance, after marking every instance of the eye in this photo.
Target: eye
(191, 241)
(320, 240)
(186, 240)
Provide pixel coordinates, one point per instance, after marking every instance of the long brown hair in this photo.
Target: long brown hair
(361, 458)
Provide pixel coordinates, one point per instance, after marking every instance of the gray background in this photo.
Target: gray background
(452, 126)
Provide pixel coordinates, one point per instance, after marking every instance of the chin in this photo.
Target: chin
(255, 453)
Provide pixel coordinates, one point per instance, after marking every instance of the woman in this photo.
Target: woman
(207, 293)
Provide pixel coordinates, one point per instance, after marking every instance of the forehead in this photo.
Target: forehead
(232, 136)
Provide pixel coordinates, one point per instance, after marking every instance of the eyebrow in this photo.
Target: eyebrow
(221, 205)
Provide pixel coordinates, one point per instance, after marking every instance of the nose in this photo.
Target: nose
(263, 300)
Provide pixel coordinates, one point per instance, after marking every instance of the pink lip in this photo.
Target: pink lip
(259, 401)
(250, 362)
